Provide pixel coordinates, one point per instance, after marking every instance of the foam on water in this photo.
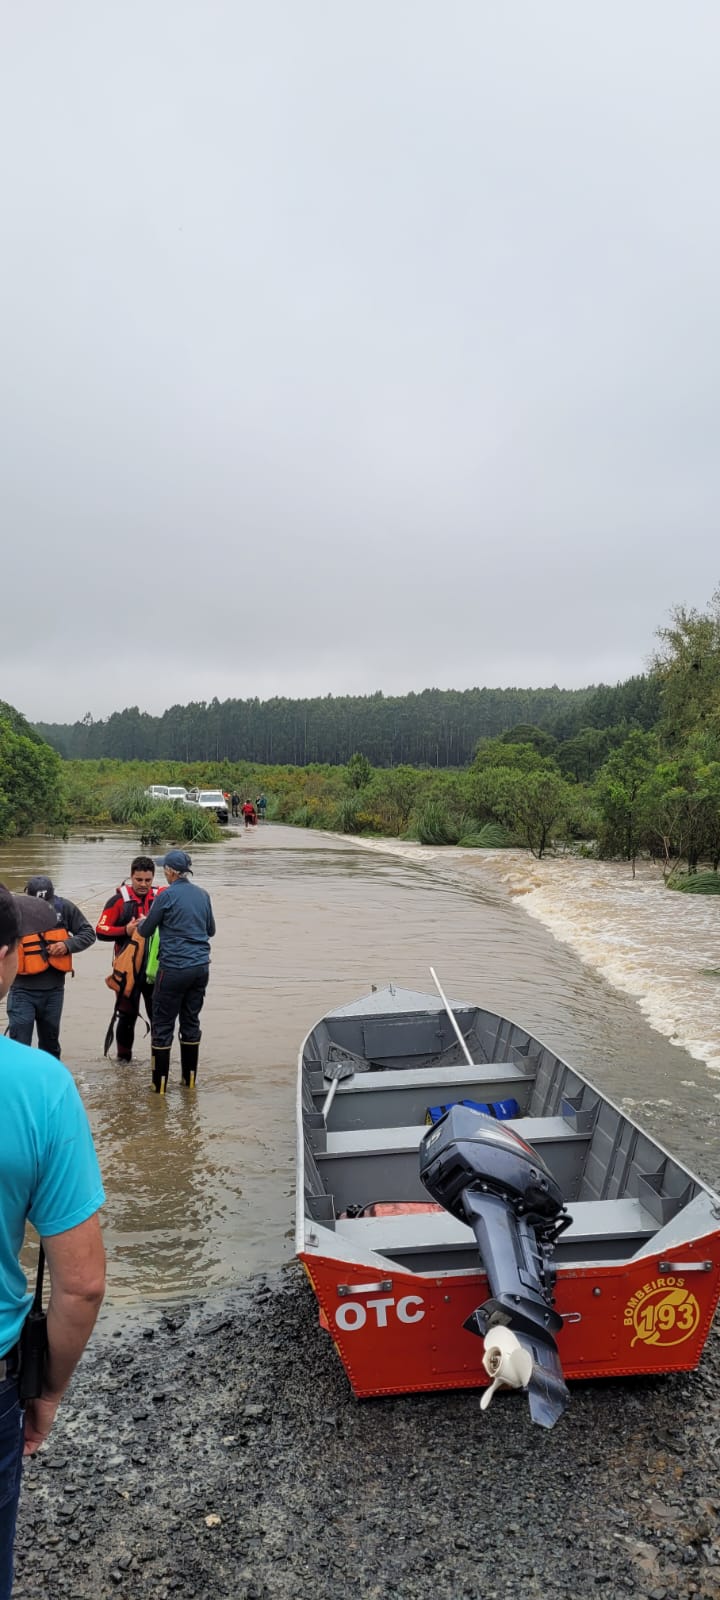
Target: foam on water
(662, 948)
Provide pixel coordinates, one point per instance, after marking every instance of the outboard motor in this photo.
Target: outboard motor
(487, 1176)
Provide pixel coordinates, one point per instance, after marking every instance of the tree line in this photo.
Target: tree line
(609, 771)
(434, 728)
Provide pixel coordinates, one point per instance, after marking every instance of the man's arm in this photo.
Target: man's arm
(210, 920)
(115, 913)
(148, 924)
(82, 934)
(76, 1260)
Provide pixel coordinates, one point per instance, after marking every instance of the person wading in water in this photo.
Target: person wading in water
(183, 913)
(37, 995)
(118, 921)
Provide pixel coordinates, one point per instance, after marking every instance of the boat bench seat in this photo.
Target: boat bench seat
(399, 1141)
(433, 1078)
(359, 1165)
(401, 1098)
(592, 1221)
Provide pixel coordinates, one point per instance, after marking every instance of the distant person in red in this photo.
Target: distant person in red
(118, 920)
(249, 814)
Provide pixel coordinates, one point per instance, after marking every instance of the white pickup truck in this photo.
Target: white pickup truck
(209, 800)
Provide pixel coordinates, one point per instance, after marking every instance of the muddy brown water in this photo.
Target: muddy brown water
(200, 1187)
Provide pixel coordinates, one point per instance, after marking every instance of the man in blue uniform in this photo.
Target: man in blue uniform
(184, 915)
(49, 1176)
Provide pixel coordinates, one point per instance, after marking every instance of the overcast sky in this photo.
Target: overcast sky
(349, 346)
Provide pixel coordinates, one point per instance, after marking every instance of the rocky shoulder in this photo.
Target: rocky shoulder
(217, 1451)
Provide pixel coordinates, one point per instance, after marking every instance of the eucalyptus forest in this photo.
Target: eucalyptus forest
(607, 771)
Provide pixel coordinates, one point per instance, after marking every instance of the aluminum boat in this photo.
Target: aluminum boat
(471, 1211)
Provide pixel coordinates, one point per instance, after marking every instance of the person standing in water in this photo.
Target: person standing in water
(38, 993)
(118, 921)
(184, 916)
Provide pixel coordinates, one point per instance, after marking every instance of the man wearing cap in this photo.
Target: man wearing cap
(184, 915)
(36, 998)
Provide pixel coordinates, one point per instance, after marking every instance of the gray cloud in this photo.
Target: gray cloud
(349, 347)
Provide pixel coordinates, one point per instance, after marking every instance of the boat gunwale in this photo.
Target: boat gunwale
(305, 1224)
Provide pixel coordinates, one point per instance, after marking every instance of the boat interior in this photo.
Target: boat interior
(403, 1066)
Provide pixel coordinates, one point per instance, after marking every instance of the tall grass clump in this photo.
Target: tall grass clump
(128, 805)
(347, 815)
(433, 825)
(198, 826)
(697, 883)
(493, 836)
(161, 820)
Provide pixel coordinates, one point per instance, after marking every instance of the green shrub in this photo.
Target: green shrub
(301, 817)
(161, 821)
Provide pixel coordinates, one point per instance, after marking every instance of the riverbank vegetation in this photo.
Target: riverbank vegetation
(31, 777)
(611, 772)
(159, 820)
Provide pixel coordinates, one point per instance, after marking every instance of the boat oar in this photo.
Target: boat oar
(453, 1019)
(335, 1072)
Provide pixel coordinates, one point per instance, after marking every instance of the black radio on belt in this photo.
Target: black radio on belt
(34, 1342)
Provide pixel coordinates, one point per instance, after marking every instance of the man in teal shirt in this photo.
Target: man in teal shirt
(49, 1176)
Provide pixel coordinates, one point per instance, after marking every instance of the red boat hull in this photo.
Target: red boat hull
(402, 1333)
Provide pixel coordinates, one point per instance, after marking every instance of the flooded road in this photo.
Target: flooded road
(200, 1187)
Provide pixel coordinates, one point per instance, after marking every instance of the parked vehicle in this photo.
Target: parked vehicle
(177, 793)
(209, 800)
(471, 1211)
(157, 791)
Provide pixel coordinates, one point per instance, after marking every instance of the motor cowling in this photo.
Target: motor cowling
(487, 1176)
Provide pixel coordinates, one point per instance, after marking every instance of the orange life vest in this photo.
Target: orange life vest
(127, 966)
(34, 956)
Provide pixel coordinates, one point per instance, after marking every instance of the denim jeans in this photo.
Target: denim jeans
(179, 992)
(27, 1007)
(11, 1450)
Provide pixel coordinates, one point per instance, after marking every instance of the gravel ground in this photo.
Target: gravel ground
(216, 1451)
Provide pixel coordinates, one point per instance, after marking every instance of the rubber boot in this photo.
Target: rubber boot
(189, 1061)
(160, 1067)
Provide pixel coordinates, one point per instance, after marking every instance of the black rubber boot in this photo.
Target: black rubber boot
(124, 1037)
(160, 1067)
(189, 1049)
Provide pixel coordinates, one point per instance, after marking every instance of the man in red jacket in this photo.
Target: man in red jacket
(119, 919)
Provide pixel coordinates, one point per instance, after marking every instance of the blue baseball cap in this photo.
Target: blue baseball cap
(179, 860)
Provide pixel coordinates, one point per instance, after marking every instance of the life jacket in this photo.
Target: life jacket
(138, 957)
(34, 956)
(127, 966)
